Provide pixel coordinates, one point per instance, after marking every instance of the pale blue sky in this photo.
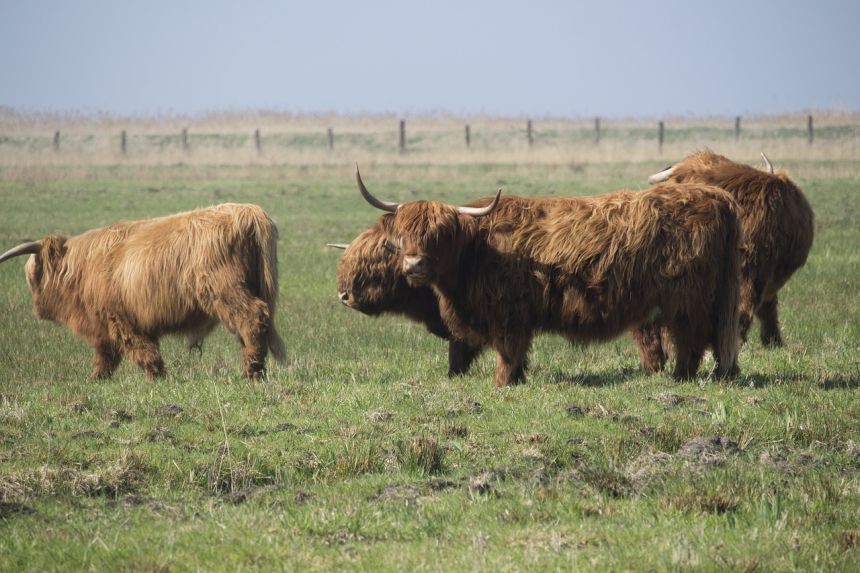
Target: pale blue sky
(609, 58)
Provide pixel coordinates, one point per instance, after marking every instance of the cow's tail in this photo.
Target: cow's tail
(267, 242)
(728, 295)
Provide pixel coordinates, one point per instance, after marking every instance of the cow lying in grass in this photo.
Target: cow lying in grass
(586, 268)
(124, 286)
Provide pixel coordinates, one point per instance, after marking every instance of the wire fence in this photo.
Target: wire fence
(320, 140)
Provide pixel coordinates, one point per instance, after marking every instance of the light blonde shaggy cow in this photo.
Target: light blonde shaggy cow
(123, 286)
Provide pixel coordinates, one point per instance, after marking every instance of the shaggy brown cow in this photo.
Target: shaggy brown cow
(587, 268)
(369, 281)
(777, 224)
(122, 287)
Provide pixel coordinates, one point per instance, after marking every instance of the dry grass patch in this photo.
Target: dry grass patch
(359, 458)
(702, 502)
(421, 454)
(110, 478)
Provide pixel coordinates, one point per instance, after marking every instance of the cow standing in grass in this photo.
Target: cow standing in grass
(587, 268)
(124, 286)
(369, 281)
(777, 224)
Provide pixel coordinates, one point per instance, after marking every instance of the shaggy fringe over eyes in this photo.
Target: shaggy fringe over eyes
(366, 261)
(427, 223)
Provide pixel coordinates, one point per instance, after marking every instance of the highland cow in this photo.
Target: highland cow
(369, 281)
(777, 224)
(586, 268)
(124, 286)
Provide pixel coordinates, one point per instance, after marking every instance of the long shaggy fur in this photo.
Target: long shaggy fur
(124, 286)
(587, 268)
(369, 280)
(778, 229)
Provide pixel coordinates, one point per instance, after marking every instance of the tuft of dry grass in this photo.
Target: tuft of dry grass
(702, 502)
(110, 478)
(421, 454)
(358, 458)
(849, 538)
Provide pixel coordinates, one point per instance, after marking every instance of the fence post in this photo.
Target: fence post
(660, 131)
(258, 141)
(402, 136)
(596, 131)
(737, 128)
(184, 139)
(468, 136)
(330, 139)
(530, 133)
(123, 142)
(57, 140)
(809, 131)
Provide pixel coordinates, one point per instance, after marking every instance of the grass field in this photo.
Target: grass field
(360, 453)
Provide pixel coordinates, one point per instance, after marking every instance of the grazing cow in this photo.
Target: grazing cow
(587, 268)
(122, 287)
(369, 281)
(777, 224)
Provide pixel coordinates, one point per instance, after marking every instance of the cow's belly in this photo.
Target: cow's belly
(583, 318)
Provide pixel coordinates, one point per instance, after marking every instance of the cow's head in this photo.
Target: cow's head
(426, 234)
(368, 276)
(42, 270)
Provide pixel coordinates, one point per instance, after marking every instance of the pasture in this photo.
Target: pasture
(360, 453)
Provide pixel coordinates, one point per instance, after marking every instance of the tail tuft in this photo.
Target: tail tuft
(728, 297)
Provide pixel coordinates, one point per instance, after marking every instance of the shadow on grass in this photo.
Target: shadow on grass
(592, 379)
(840, 382)
(830, 382)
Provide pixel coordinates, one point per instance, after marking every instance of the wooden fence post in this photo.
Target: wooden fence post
(530, 133)
(185, 139)
(660, 132)
(258, 141)
(123, 142)
(57, 140)
(402, 136)
(468, 136)
(810, 134)
(737, 128)
(596, 131)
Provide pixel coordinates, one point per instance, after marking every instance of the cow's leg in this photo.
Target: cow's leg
(247, 317)
(689, 344)
(460, 357)
(751, 294)
(142, 349)
(771, 336)
(512, 359)
(106, 359)
(648, 338)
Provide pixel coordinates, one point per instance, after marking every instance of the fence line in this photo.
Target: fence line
(534, 138)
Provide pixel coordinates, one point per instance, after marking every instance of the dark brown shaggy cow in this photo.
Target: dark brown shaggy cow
(587, 268)
(369, 281)
(122, 287)
(777, 224)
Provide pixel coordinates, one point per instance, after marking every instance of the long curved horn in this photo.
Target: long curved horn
(341, 246)
(767, 164)
(480, 211)
(662, 176)
(390, 207)
(28, 248)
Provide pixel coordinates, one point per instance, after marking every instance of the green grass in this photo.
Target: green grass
(361, 454)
